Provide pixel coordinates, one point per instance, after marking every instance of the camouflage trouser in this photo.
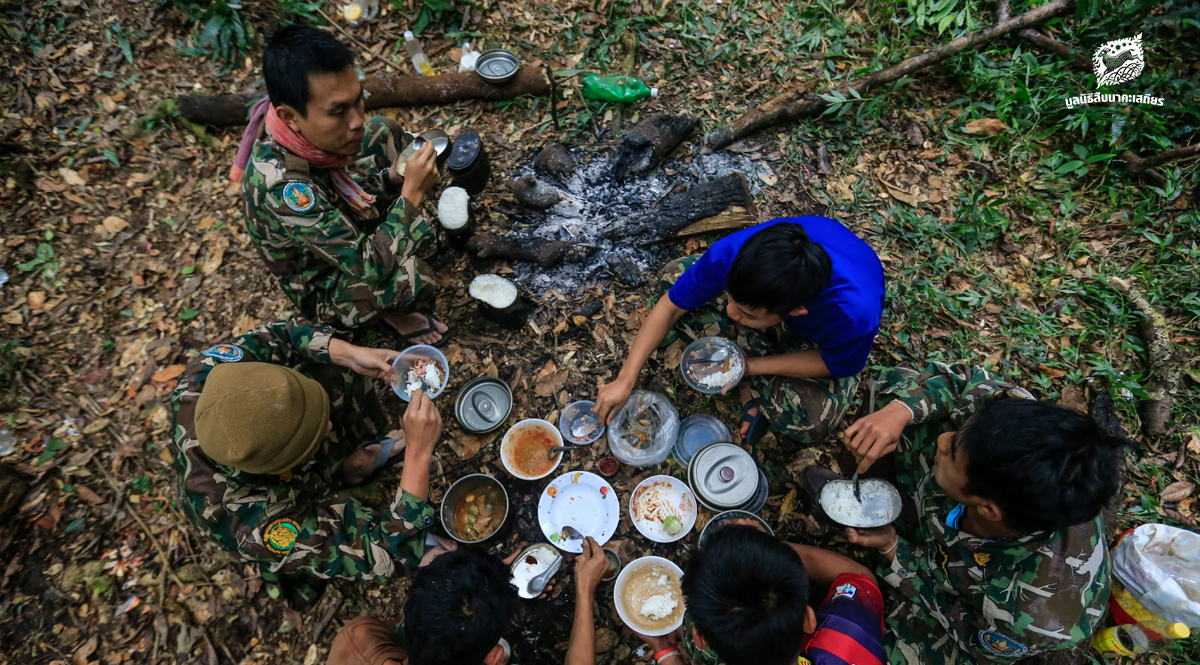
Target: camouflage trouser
(804, 410)
(354, 407)
(350, 303)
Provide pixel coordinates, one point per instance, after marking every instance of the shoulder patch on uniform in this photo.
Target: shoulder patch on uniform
(982, 558)
(226, 352)
(846, 590)
(1002, 645)
(299, 196)
(280, 535)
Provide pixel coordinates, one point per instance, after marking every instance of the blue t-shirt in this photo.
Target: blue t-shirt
(843, 320)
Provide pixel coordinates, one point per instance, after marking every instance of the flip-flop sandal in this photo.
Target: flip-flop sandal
(385, 459)
(430, 327)
(758, 422)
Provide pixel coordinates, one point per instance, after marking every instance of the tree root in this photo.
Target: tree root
(1164, 367)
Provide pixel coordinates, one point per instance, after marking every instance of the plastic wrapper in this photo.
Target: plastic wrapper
(1160, 566)
(643, 432)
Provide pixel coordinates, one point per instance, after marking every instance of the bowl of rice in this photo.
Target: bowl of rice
(649, 596)
(420, 366)
(711, 377)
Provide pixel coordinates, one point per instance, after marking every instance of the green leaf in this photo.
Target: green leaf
(52, 447)
(75, 525)
(30, 265)
(45, 251)
(189, 314)
(188, 270)
(112, 156)
(125, 47)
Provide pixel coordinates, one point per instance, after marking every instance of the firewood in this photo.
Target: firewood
(545, 254)
(704, 201)
(381, 92)
(649, 142)
(1164, 366)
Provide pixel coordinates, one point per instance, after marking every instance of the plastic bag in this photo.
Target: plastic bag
(644, 431)
(1160, 566)
(469, 57)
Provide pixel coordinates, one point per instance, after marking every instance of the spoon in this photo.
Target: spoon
(556, 450)
(857, 489)
(538, 584)
(714, 357)
(572, 533)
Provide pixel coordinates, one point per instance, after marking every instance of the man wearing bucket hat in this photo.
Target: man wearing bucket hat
(264, 454)
(1006, 556)
(326, 206)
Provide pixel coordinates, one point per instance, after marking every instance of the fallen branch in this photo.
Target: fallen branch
(1045, 42)
(714, 205)
(381, 92)
(545, 254)
(800, 101)
(1164, 368)
(1146, 167)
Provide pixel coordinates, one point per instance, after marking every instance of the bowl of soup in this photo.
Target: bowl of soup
(474, 508)
(525, 450)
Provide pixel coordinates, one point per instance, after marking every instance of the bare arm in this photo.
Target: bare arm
(654, 329)
(801, 364)
(422, 428)
(590, 566)
(824, 566)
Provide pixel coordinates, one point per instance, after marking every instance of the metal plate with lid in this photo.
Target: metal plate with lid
(723, 476)
(483, 404)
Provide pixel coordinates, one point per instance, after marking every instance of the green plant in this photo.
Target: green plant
(223, 35)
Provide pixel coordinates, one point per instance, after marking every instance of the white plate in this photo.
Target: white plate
(680, 494)
(582, 500)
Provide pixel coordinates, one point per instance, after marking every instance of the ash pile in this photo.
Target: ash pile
(578, 222)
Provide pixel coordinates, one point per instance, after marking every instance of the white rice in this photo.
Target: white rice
(837, 498)
(453, 207)
(722, 379)
(657, 608)
(432, 380)
(493, 290)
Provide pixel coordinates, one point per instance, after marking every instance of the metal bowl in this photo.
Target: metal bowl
(497, 65)
(881, 503)
(721, 518)
(461, 488)
(703, 348)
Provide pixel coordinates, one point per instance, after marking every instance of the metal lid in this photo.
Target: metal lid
(467, 146)
(695, 432)
(483, 404)
(723, 476)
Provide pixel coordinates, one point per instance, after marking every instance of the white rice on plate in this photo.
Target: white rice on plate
(454, 208)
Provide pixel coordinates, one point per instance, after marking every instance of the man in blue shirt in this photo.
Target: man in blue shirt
(804, 298)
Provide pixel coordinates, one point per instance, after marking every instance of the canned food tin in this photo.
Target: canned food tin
(724, 477)
(483, 404)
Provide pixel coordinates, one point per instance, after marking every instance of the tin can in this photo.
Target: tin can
(483, 404)
(468, 163)
(725, 477)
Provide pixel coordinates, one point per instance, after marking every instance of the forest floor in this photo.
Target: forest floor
(998, 215)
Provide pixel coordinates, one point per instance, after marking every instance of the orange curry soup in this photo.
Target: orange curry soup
(529, 452)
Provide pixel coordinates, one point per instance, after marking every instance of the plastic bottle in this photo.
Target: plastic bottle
(417, 53)
(1132, 639)
(616, 88)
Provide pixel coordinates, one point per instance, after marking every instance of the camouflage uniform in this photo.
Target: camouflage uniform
(336, 267)
(957, 598)
(806, 410)
(325, 532)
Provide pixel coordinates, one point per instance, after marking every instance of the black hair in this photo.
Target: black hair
(458, 608)
(292, 54)
(747, 594)
(1047, 467)
(779, 268)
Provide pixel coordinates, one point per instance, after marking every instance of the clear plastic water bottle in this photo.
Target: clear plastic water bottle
(1132, 639)
(417, 53)
(8, 443)
(360, 11)
(616, 88)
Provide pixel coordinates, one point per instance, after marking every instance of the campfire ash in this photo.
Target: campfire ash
(592, 203)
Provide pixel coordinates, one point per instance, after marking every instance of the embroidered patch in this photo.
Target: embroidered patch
(225, 352)
(982, 558)
(846, 590)
(280, 535)
(299, 196)
(1002, 645)
(286, 476)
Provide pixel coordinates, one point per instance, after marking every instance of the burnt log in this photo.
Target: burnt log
(649, 142)
(723, 203)
(555, 160)
(626, 270)
(12, 489)
(380, 92)
(533, 193)
(545, 254)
